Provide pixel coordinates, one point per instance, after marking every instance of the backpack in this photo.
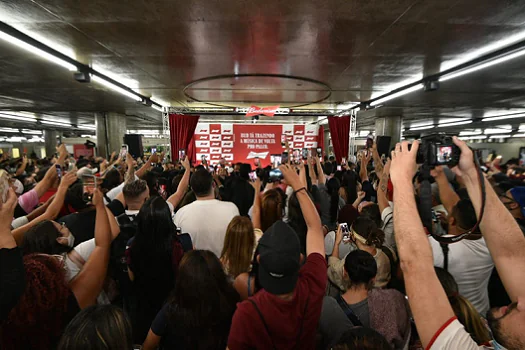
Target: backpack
(118, 267)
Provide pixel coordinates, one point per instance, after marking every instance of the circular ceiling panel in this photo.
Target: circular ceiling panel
(262, 89)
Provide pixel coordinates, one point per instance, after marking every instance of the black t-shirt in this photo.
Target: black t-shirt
(82, 225)
(12, 279)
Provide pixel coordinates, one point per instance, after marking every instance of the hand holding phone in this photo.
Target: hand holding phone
(345, 232)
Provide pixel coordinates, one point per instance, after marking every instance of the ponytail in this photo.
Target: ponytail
(367, 228)
(469, 317)
(376, 238)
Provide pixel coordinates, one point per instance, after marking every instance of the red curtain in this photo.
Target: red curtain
(182, 131)
(320, 139)
(340, 132)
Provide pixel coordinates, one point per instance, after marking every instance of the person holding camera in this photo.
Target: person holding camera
(436, 323)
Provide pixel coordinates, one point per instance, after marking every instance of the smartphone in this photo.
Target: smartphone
(59, 170)
(203, 158)
(153, 150)
(253, 176)
(285, 158)
(343, 161)
(345, 231)
(339, 168)
(123, 151)
(182, 154)
(319, 151)
(305, 153)
(89, 184)
(4, 184)
(283, 140)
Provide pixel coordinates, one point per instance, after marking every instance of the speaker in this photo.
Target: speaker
(134, 143)
(383, 145)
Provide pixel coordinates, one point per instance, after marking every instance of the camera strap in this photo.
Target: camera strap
(472, 232)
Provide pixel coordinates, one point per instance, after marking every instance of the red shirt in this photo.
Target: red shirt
(282, 317)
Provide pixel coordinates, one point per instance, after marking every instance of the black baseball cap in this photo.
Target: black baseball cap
(279, 259)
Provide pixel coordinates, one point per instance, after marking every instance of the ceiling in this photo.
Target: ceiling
(220, 52)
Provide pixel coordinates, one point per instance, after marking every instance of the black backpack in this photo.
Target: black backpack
(118, 267)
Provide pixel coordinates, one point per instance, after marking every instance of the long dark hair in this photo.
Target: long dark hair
(42, 238)
(350, 185)
(203, 301)
(151, 250)
(296, 220)
(333, 186)
(98, 327)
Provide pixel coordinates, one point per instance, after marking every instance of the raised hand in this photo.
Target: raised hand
(291, 177)
(403, 167)
(186, 163)
(68, 179)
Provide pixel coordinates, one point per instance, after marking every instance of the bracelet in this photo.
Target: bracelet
(299, 190)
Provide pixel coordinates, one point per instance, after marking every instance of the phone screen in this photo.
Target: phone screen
(319, 151)
(284, 158)
(182, 154)
(275, 174)
(59, 170)
(89, 183)
(345, 231)
(123, 151)
(253, 176)
(339, 168)
(305, 153)
(153, 150)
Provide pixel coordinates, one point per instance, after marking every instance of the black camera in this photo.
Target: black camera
(438, 149)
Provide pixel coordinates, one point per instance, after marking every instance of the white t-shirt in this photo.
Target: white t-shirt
(471, 265)
(206, 222)
(453, 336)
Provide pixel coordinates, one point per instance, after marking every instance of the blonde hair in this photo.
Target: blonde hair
(238, 246)
(271, 208)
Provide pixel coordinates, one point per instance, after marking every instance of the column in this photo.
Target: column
(111, 128)
(389, 126)
(50, 140)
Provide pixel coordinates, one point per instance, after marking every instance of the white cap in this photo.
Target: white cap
(19, 187)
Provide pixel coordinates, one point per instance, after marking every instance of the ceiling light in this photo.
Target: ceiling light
(397, 94)
(18, 117)
(482, 65)
(87, 127)
(158, 108)
(28, 47)
(91, 136)
(421, 127)
(116, 88)
(512, 116)
(470, 132)
(497, 131)
(499, 136)
(444, 125)
(31, 132)
(519, 135)
(48, 122)
(159, 101)
(15, 139)
(478, 137)
(9, 130)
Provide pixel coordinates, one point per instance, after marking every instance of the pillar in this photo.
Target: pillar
(50, 140)
(389, 126)
(111, 128)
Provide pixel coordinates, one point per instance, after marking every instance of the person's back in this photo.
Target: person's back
(206, 219)
(267, 321)
(470, 262)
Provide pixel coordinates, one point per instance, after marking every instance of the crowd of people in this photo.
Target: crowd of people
(129, 253)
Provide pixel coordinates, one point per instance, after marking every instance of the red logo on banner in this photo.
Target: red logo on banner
(298, 145)
(215, 137)
(203, 137)
(310, 132)
(227, 138)
(227, 131)
(310, 138)
(267, 111)
(227, 150)
(215, 144)
(215, 156)
(202, 150)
